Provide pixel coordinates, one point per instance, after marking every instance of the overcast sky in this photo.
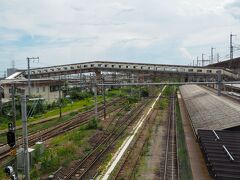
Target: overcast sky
(152, 31)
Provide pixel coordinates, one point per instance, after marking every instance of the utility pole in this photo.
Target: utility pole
(197, 61)
(104, 99)
(14, 127)
(212, 54)
(60, 98)
(80, 78)
(203, 59)
(25, 137)
(28, 64)
(217, 57)
(1, 105)
(231, 46)
(95, 96)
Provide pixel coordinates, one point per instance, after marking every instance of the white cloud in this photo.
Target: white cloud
(86, 29)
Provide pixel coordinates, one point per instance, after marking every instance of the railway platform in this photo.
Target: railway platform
(198, 166)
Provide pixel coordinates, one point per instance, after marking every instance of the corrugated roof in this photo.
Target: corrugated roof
(209, 111)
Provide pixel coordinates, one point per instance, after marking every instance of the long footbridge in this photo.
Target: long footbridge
(187, 73)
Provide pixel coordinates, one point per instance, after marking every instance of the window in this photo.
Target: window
(99, 65)
(119, 66)
(190, 70)
(92, 65)
(209, 71)
(65, 68)
(85, 66)
(199, 70)
(126, 66)
(72, 67)
(105, 65)
(112, 66)
(134, 67)
(54, 88)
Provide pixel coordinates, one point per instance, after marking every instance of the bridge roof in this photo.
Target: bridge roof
(121, 62)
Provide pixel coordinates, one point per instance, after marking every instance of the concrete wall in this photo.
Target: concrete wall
(36, 90)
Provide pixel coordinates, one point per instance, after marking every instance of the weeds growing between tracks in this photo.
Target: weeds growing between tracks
(184, 165)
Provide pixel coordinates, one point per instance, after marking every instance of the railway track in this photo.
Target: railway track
(64, 127)
(171, 171)
(84, 168)
(127, 167)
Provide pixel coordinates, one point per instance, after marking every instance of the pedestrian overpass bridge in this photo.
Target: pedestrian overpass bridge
(189, 73)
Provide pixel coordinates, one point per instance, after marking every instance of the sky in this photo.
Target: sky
(152, 31)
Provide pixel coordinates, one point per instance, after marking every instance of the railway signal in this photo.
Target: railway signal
(11, 139)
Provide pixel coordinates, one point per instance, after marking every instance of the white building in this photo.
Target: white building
(45, 88)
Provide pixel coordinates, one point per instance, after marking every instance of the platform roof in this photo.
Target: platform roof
(209, 111)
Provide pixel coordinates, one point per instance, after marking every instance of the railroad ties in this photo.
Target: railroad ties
(171, 171)
(221, 151)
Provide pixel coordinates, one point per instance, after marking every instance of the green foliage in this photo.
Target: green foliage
(77, 94)
(144, 93)
(50, 160)
(185, 170)
(132, 99)
(64, 149)
(163, 103)
(93, 123)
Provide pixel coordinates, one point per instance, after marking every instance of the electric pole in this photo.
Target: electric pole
(1, 105)
(80, 78)
(104, 99)
(203, 59)
(28, 64)
(95, 96)
(14, 127)
(212, 54)
(25, 137)
(197, 61)
(59, 97)
(231, 46)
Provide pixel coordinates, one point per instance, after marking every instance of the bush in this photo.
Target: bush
(76, 94)
(93, 123)
(132, 99)
(144, 93)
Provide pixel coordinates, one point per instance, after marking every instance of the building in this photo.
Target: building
(45, 88)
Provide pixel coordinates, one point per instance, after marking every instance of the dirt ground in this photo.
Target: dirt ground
(149, 164)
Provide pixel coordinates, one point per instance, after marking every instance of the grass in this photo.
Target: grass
(63, 150)
(184, 165)
(80, 105)
(38, 127)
